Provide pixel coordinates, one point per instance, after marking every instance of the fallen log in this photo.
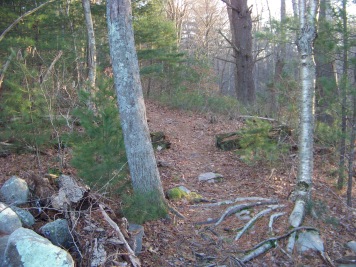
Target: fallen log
(232, 141)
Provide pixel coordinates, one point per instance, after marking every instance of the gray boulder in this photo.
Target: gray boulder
(210, 177)
(25, 216)
(9, 221)
(58, 233)
(25, 248)
(3, 245)
(15, 191)
(309, 240)
(136, 235)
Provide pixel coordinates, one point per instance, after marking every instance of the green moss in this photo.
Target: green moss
(176, 193)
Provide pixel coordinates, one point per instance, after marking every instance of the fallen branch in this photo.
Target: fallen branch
(231, 210)
(134, 260)
(255, 218)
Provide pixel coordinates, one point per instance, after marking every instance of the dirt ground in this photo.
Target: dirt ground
(183, 242)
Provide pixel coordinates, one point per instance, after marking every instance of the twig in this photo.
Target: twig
(134, 260)
(255, 218)
(60, 53)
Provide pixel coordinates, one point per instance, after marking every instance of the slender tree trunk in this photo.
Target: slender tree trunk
(141, 159)
(307, 76)
(241, 29)
(74, 35)
(324, 65)
(91, 61)
(278, 72)
(352, 146)
(340, 182)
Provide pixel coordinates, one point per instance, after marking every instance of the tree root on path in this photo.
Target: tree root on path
(267, 244)
(255, 218)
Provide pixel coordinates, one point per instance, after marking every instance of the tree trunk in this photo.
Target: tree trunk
(307, 75)
(278, 72)
(241, 28)
(141, 159)
(342, 151)
(91, 45)
(324, 64)
(352, 147)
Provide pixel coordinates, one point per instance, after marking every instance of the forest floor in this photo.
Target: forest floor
(183, 242)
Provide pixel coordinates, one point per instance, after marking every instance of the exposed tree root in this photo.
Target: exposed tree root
(255, 218)
(267, 244)
(272, 218)
(228, 202)
(233, 209)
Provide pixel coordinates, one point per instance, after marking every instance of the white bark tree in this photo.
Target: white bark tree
(141, 159)
(305, 43)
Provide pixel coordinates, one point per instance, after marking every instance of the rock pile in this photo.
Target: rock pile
(61, 225)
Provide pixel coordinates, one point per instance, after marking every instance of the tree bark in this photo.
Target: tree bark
(241, 30)
(91, 45)
(307, 76)
(141, 159)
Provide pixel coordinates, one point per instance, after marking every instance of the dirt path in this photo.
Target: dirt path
(193, 152)
(183, 243)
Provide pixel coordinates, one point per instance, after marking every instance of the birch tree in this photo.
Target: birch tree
(305, 43)
(141, 159)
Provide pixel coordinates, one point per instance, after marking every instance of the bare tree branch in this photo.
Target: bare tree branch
(20, 18)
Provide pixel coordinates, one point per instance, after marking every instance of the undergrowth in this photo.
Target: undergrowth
(139, 208)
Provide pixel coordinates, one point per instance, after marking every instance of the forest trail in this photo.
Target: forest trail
(182, 242)
(193, 152)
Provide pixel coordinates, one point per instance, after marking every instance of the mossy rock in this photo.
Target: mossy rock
(181, 192)
(176, 193)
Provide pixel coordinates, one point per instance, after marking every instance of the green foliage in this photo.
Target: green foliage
(257, 144)
(139, 208)
(24, 109)
(98, 152)
(182, 98)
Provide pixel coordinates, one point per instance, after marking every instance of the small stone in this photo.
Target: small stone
(58, 233)
(25, 216)
(210, 177)
(15, 191)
